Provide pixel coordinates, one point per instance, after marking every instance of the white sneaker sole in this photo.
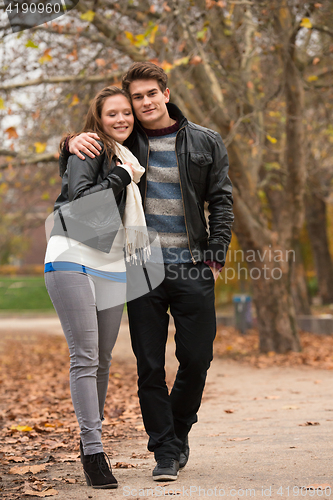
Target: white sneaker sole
(165, 477)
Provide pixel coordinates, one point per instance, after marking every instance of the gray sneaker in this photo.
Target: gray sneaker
(166, 470)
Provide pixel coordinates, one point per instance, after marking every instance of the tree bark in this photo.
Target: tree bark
(316, 220)
(275, 308)
(299, 288)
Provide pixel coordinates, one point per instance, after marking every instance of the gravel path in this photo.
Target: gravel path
(261, 433)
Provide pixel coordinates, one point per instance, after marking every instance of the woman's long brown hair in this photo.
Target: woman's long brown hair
(93, 122)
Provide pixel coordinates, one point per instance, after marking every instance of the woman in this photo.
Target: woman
(85, 269)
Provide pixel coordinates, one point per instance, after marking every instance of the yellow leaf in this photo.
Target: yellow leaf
(141, 40)
(44, 59)
(130, 36)
(306, 23)
(271, 139)
(21, 428)
(166, 66)
(153, 34)
(88, 16)
(45, 196)
(182, 61)
(75, 100)
(312, 78)
(2, 103)
(40, 146)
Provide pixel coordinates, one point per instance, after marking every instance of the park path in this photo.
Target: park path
(261, 433)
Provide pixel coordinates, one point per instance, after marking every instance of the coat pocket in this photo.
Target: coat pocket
(199, 164)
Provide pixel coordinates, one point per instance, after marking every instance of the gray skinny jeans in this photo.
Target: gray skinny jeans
(91, 335)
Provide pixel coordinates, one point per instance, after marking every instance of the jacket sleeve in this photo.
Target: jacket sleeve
(219, 198)
(83, 174)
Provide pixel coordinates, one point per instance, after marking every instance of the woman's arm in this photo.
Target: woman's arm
(83, 175)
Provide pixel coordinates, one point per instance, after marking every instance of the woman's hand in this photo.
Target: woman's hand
(85, 143)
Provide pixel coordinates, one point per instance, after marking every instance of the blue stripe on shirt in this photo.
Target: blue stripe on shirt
(163, 190)
(166, 223)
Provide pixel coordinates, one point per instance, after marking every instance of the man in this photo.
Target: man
(186, 165)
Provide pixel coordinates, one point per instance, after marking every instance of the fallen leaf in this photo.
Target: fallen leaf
(48, 492)
(239, 439)
(123, 465)
(16, 459)
(69, 458)
(318, 486)
(27, 468)
(139, 455)
(228, 411)
(310, 423)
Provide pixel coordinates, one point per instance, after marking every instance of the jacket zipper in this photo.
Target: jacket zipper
(181, 189)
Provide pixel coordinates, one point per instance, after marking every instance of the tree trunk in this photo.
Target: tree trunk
(270, 270)
(299, 287)
(275, 311)
(316, 219)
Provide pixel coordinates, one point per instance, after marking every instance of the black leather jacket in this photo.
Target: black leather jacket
(91, 223)
(203, 171)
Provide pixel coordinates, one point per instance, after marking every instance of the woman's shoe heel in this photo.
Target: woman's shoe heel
(88, 481)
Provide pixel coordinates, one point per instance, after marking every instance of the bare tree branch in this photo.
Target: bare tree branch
(323, 29)
(62, 79)
(21, 161)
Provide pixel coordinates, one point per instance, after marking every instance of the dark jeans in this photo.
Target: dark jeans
(188, 290)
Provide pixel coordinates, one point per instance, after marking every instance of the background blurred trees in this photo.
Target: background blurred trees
(258, 72)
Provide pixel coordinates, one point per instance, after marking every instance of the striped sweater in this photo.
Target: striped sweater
(164, 206)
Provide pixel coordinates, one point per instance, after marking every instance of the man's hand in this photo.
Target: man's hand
(85, 143)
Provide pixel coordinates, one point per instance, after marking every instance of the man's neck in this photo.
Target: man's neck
(161, 124)
(162, 131)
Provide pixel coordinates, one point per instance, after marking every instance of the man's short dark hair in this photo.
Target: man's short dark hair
(145, 71)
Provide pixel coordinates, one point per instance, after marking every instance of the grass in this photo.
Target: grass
(23, 293)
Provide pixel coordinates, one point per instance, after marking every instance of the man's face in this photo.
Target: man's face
(149, 103)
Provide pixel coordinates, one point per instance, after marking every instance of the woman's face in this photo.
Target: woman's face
(117, 117)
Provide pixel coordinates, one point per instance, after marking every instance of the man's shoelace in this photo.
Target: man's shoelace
(166, 463)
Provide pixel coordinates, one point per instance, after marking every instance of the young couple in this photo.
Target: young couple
(184, 166)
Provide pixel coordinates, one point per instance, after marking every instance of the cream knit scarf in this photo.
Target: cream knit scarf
(137, 245)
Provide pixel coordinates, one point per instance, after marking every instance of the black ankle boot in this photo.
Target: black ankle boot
(98, 472)
(81, 452)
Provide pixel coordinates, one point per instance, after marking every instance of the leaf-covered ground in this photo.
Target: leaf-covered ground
(38, 427)
(37, 422)
(317, 350)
